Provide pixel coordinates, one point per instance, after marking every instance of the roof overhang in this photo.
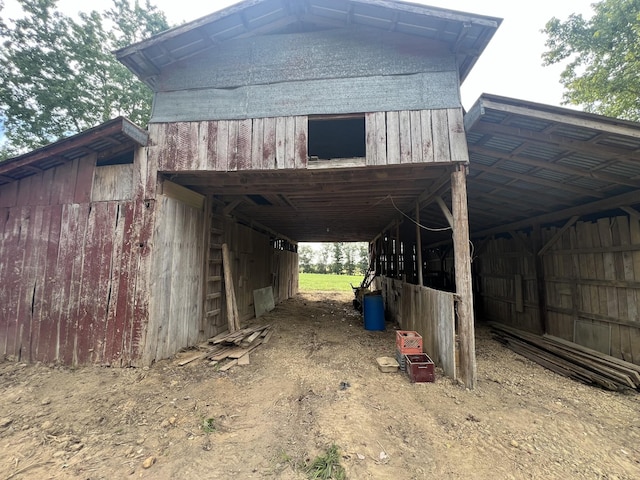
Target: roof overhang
(108, 139)
(465, 34)
(538, 164)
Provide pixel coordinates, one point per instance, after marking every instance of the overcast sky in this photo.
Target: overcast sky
(510, 66)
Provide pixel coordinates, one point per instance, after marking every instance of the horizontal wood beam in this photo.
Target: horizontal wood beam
(592, 207)
(536, 181)
(631, 211)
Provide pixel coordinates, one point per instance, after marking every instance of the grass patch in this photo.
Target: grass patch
(328, 283)
(327, 466)
(208, 425)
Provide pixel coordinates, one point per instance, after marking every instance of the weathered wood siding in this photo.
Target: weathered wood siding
(392, 138)
(74, 272)
(424, 136)
(256, 264)
(229, 145)
(506, 285)
(591, 276)
(429, 312)
(176, 276)
(324, 72)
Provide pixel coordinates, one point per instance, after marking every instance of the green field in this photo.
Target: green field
(332, 283)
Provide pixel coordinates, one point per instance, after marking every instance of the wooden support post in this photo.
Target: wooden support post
(232, 307)
(396, 257)
(536, 237)
(464, 291)
(419, 245)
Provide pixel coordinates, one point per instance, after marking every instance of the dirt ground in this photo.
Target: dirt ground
(313, 385)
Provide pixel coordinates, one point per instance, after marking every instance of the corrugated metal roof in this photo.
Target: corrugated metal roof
(568, 160)
(108, 139)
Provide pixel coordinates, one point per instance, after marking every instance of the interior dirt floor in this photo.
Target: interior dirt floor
(315, 384)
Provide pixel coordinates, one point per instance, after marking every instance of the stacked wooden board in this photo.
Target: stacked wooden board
(229, 349)
(570, 359)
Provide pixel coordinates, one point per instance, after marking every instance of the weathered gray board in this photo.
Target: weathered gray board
(263, 300)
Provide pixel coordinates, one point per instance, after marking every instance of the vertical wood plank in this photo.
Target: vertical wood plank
(244, 160)
(290, 143)
(381, 138)
(84, 180)
(281, 137)
(457, 137)
(257, 144)
(301, 148)
(212, 145)
(232, 148)
(39, 308)
(202, 146)
(223, 154)
(269, 152)
(463, 277)
(370, 132)
(78, 224)
(416, 136)
(427, 136)
(405, 137)
(440, 129)
(393, 138)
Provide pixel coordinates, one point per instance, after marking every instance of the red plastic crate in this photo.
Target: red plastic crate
(420, 368)
(408, 342)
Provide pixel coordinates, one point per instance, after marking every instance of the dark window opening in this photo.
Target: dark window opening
(337, 137)
(120, 159)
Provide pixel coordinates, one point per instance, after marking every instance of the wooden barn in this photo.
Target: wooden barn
(281, 121)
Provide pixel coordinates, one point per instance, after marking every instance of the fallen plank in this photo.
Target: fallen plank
(192, 358)
(244, 360)
(228, 365)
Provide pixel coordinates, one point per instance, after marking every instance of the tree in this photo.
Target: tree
(305, 255)
(363, 262)
(59, 76)
(350, 252)
(603, 54)
(338, 255)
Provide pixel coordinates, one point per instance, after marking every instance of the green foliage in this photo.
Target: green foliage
(602, 57)
(327, 466)
(209, 425)
(338, 255)
(59, 74)
(327, 283)
(305, 259)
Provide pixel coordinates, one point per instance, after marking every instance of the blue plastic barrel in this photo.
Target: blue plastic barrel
(373, 311)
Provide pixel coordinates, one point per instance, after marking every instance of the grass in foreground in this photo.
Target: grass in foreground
(328, 283)
(327, 466)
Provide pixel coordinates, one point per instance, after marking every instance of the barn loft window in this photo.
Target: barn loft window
(336, 137)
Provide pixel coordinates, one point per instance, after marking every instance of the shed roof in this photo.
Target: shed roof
(534, 163)
(106, 140)
(466, 34)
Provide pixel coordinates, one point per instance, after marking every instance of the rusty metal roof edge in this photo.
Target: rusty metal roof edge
(116, 125)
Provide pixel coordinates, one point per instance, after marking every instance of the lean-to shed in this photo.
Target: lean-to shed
(274, 121)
